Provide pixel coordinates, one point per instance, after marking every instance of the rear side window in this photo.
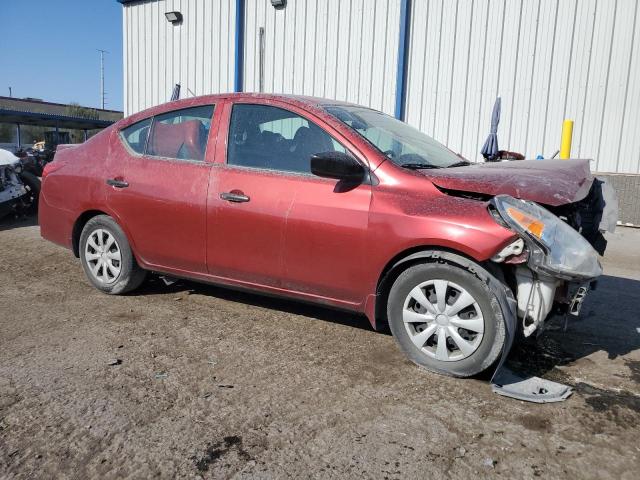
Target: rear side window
(136, 135)
(261, 136)
(181, 134)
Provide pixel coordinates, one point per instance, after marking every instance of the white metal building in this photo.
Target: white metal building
(439, 64)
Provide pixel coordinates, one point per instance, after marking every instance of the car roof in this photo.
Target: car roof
(289, 98)
(302, 101)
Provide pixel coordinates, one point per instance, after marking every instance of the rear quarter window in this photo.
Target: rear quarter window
(135, 136)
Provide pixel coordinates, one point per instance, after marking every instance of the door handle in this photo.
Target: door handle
(117, 183)
(235, 197)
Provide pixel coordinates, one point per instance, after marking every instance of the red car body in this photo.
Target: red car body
(297, 236)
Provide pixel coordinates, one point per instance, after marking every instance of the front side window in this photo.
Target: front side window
(136, 135)
(261, 136)
(181, 134)
(401, 143)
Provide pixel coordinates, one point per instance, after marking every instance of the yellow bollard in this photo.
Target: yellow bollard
(565, 143)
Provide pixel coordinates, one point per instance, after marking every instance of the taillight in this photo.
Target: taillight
(52, 167)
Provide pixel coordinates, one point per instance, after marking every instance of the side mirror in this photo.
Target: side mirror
(338, 165)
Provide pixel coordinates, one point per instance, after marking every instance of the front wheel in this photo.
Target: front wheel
(106, 257)
(446, 319)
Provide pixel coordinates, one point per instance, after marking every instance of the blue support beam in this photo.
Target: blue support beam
(239, 47)
(403, 59)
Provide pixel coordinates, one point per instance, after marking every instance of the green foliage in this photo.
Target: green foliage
(76, 110)
(7, 132)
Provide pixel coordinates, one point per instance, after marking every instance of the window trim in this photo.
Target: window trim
(226, 163)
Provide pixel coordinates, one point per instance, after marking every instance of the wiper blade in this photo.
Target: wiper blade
(418, 166)
(462, 163)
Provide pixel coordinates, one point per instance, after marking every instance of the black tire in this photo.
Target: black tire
(130, 276)
(33, 186)
(493, 337)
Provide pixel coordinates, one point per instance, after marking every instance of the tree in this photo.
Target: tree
(7, 132)
(76, 110)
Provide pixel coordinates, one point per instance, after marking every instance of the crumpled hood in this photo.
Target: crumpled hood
(7, 158)
(551, 182)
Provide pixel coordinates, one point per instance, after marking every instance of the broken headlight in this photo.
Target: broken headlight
(556, 247)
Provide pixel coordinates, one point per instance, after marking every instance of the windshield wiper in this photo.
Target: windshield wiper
(418, 166)
(462, 163)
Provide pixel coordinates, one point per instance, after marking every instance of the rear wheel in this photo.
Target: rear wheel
(106, 257)
(446, 319)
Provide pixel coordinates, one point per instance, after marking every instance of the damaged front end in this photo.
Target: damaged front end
(12, 190)
(554, 261)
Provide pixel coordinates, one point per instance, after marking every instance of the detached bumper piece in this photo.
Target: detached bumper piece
(508, 383)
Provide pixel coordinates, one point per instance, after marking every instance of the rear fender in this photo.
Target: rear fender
(89, 213)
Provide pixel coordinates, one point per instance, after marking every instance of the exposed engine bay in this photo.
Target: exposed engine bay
(10, 185)
(542, 289)
(593, 215)
(18, 189)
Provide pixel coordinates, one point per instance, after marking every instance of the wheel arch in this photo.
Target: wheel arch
(406, 259)
(78, 225)
(82, 220)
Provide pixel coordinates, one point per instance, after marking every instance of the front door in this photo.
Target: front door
(324, 249)
(161, 195)
(272, 222)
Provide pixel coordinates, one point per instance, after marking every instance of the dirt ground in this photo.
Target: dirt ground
(213, 383)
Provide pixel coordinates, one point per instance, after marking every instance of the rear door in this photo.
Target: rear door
(248, 202)
(161, 196)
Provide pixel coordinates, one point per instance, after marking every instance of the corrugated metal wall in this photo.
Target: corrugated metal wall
(336, 49)
(547, 59)
(198, 54)
(342, 49)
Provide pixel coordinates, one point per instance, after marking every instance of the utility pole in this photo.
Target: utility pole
(102, 92)
(10, 93)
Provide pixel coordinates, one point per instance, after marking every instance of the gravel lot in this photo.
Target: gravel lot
(216, 384)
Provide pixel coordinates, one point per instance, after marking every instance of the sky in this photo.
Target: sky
(48, 50)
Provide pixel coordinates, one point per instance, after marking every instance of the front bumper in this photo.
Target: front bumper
(540, 295)
(555, 273)
(596, 214)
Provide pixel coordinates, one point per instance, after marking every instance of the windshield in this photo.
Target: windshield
(399, 142)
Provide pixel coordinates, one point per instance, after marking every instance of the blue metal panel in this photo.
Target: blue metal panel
(403, 56)
(239, 46)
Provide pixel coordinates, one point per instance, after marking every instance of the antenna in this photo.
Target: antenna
(102, 92)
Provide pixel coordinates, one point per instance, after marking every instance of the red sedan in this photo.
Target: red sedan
(332, 203)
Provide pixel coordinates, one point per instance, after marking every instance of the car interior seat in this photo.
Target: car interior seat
(186, 140)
